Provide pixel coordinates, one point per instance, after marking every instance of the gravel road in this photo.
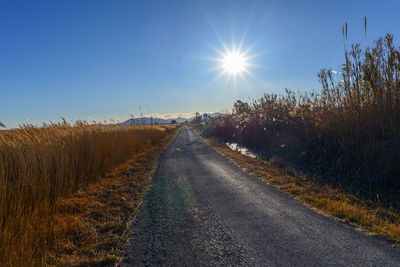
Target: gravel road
(202, 210)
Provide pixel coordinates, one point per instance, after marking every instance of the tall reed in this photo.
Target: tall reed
(350, 128)
(38, 165)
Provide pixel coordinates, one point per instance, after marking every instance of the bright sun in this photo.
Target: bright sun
(234, 62)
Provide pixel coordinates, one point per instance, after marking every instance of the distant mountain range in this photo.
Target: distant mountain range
(149, 120)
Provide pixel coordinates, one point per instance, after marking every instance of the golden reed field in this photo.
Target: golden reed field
(41, 165)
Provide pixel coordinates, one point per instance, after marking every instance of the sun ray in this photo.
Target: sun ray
(216, 78)
(234, 62)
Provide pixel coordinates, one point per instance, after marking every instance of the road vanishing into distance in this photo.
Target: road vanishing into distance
(202, 210)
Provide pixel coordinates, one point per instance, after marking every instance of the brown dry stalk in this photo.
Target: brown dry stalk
(105, 211)
(350, 128)
(40, 166)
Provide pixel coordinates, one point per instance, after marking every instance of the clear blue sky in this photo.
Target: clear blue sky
(96, 60)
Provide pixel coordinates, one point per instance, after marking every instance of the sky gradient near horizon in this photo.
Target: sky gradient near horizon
(101, 60)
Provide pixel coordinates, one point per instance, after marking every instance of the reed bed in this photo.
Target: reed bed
(40, 165)
(349, 132)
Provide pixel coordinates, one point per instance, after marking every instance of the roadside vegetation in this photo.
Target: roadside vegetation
(371, 216)
(47, 179)
(348, 134)
(338, 149)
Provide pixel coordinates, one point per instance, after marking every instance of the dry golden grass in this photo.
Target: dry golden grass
(38, 166)
(368, 215)
(93, 223)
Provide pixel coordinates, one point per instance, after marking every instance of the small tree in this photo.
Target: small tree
(197, 119)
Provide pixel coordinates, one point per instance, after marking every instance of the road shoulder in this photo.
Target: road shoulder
(366, 216)
(101, 214)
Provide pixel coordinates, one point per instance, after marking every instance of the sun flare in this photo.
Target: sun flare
(234, 62)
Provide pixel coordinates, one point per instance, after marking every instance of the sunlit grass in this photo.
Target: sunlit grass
(40, 165)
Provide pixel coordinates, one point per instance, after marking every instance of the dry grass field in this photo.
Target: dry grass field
(41, 166)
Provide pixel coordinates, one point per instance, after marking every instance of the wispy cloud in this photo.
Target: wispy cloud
(172, 115)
